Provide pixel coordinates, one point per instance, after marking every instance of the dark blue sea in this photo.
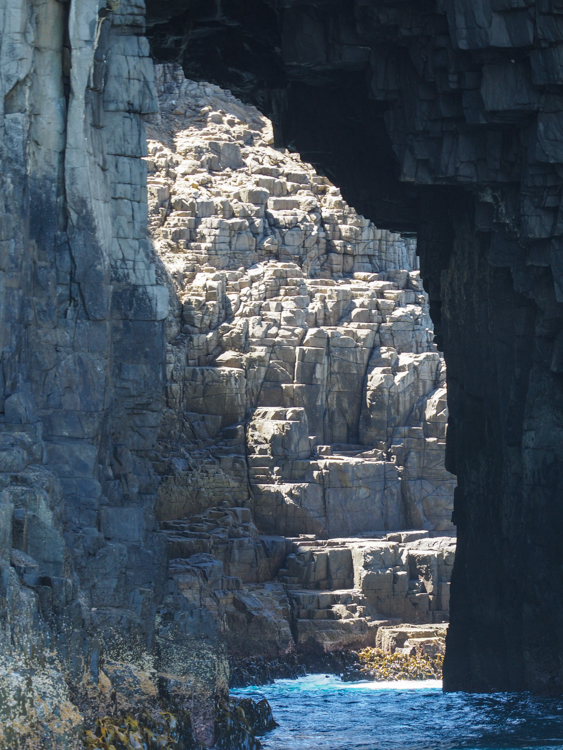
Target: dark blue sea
(320, 712)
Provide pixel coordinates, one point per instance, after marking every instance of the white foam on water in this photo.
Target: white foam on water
(324, 682)
(395, 685)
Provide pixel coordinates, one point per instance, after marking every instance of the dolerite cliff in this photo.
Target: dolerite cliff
(456, 106)
(264, 373)
(83, 580)
(437, 117)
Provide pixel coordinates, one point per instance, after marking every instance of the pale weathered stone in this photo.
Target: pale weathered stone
(274, 334)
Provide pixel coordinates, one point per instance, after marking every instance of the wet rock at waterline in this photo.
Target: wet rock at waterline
(238, 724)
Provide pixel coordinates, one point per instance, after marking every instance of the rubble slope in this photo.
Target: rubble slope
(305, 398)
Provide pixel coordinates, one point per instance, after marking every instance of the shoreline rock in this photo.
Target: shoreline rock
(238, 724)
(401, 652)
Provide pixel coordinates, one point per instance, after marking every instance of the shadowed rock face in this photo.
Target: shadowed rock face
(82, 353)
(461, 102)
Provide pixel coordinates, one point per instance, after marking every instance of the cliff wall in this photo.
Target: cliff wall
(302, 377)
(438, 117)
(271, 360)
(82, 373)
(305, 410)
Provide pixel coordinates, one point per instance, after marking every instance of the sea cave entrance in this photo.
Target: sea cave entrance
(421, 125)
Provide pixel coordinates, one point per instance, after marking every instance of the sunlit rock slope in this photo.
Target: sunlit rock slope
(304, 393)
(302, 379)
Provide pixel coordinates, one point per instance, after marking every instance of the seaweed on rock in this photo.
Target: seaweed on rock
(237, 724)
(163, 730)
(380, 666)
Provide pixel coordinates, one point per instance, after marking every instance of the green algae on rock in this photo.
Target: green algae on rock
(162, 730)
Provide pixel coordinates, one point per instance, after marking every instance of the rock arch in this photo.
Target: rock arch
(444, 117)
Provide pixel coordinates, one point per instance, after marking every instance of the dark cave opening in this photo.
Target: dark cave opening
(234, 44)
(327, 115)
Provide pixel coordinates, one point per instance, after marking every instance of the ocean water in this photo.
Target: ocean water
(320, 712)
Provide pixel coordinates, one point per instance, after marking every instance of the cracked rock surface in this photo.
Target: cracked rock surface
(302, 377)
